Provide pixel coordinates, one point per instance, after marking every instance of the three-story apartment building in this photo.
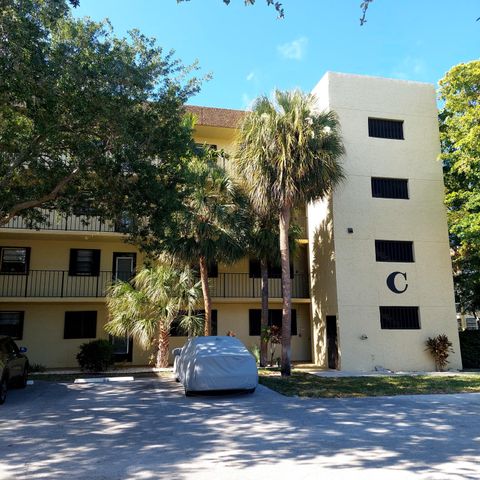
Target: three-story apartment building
(371, 279)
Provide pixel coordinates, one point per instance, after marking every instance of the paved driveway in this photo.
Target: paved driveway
(147, 429)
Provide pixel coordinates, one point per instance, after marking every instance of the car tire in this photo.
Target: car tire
(188, 393)
(3, 390)
(22, 381)
(250, 390)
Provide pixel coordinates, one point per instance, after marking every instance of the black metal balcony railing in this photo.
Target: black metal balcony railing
(58, 222)
(58, 283)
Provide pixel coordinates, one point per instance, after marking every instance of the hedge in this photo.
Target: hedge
(470, 348)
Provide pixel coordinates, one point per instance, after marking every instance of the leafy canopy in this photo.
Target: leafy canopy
(83, 113)
(460, 143)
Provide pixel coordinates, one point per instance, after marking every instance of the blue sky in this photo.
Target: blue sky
(249, 52)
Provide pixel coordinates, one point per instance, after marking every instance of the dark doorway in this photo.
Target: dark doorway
(122, 348)
(332, 343)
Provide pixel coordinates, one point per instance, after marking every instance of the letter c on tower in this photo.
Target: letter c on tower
(391, 282)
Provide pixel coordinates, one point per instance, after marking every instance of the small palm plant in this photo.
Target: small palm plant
(147, 307)
(439, 347)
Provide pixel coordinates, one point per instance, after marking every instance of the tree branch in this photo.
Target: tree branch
(40, 201)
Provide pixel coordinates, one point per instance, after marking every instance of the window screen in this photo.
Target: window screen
(84, 262)
(382, 128)
(81, 324)
(14, 259)
(394, 251)
(389, 188)
(274, 318)
(11, 324)
(399, 318)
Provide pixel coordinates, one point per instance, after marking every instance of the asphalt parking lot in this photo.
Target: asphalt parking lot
(147, 429)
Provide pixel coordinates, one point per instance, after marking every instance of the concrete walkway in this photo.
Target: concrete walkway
(147, 429)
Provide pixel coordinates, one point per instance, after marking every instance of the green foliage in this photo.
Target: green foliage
(146, 308)
(460, 142)
(206, 227)
(287, 153)
(271, 336)
(37, 368)
(83, 113)
(208, 222)
(96, 356)
(255, 351)
(470, 348)
(439, 347)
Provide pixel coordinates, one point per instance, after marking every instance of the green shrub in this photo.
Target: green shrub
(440, 348)
(470, 348)
(37, 368)
(95, 356)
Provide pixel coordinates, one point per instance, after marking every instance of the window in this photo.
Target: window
(212, 270)
(274, 318)
(389, 188)
(177, 331)
(274, 271)
(382, 128)
(84, 262)
(14, 259)
(11, 324)
(80, 324)
(399, 318)
(394, 251)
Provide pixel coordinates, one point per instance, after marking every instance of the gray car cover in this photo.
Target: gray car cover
(215, 363)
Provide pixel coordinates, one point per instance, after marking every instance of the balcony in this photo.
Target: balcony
(68, 223)
(59, 284)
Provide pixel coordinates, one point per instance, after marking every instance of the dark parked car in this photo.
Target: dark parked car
(13, 366)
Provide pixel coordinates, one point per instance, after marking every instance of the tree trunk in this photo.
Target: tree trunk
(284, 225)
(264, 320)
(206, 295)
(163, 347)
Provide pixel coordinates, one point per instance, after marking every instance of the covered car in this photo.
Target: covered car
(215, 364)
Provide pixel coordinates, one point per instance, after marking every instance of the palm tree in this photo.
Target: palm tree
(207, 229)
(147, 307)
(289, 154)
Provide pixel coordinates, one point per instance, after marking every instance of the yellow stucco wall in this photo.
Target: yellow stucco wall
(360, 279)
(44, 329)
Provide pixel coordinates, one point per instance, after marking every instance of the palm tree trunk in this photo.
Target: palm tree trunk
(284, 225)
(206, 295)
(264, 320)
(163, 347)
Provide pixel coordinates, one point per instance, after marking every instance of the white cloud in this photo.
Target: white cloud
(250, 76)
(294, 50)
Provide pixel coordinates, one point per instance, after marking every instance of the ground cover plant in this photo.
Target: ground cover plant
(303, 384)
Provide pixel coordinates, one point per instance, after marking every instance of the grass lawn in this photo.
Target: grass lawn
(303, 384)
